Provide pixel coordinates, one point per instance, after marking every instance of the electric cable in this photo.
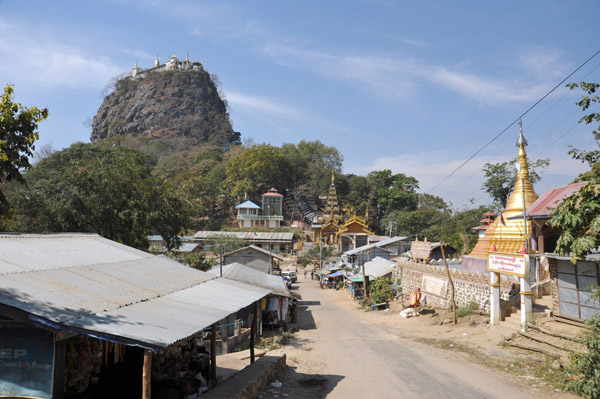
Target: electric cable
(513, 122)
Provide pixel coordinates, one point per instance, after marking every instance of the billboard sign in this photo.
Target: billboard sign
(420, 250)
(26, 361)
(513, 264)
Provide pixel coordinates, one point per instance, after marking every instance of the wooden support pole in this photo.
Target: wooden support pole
(451, 283)
(253, 332)
(147, 375)
(213, 353)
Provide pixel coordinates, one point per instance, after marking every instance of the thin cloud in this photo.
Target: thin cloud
(262, 106)
(48, 62)
(398, 76)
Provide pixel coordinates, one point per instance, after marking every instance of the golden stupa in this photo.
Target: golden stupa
(510, 236)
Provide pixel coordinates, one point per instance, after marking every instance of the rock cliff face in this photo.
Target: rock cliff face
(167, 106)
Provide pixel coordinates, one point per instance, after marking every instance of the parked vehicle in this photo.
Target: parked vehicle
(291, 274)
(288, 282)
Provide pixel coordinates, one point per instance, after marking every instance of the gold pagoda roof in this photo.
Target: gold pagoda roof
(508, 235)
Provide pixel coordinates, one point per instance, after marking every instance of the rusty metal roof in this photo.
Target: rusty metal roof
(545, 204)
(88, 284)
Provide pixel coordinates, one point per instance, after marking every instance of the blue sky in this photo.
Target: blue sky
(416, 87)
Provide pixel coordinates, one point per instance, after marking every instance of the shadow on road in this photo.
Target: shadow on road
(296, 385)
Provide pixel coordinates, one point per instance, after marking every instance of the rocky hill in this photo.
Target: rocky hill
(175, 108)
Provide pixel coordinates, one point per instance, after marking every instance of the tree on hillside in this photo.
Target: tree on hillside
(18, 127)
(578, 216)
(107, 190)
(311, 163)
(391, 192)
(256, 170)
(500, 178)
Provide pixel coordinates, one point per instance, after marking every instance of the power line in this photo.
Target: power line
(513, 122)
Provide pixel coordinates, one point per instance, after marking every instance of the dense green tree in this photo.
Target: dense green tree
(18, 125)
(578, 216)
(358, 193)
(458, 229)
(107, 190)
(390, 192)
(591, 157)
(500, 178)
(310, 166)
(256, 170)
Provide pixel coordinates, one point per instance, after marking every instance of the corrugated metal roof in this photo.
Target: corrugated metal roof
(246, 235)
(379, 267)
(245, 274)
(375, 245)
(187, 247)
(255, 248)
(544, 205)
(85, 282)
(163, 321)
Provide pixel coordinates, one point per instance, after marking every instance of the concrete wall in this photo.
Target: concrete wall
(251, 381)
(436, 289)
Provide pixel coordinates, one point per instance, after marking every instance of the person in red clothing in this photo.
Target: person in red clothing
(415, 298)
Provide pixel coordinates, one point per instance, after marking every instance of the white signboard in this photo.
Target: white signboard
(515, 265)
(435, 286)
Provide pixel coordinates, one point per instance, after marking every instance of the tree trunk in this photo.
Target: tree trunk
(451, 283)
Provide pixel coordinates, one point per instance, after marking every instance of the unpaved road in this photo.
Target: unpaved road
(339, 354)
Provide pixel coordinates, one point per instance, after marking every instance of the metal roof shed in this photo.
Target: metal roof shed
(90, 285)
(86, 284)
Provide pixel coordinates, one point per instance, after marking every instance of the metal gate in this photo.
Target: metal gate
(575, 286)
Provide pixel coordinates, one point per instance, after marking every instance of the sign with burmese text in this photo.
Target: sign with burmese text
(420, 249)
(26, 361)
(512, 264)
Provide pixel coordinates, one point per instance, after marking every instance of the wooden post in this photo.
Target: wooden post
(451, 282)
(147, 375)
(213, 353)
(253, 331)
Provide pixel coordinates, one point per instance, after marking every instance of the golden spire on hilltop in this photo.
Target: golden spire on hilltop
(367, 212)
(332, 177)
(187, 56)
(506, 233)
(157, 62)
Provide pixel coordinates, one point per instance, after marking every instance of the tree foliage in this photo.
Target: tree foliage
(585, 367)
(578, 216)
(256, 170)
(310, 165)
(500, 178)
(107, 190)
(18, 125)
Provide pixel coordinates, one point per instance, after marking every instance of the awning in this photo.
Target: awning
(360, 280)
(335, 275)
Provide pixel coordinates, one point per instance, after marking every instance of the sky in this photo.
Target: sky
(415, 87)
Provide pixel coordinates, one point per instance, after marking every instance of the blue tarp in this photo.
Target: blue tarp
(336, 274)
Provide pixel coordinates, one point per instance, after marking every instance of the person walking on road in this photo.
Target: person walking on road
(312, 275)
(305, 274)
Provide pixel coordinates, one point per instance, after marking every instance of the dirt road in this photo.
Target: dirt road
(339, 353)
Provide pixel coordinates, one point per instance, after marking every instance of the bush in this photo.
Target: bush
(381, 290)
(585, 367)
(467, 310)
